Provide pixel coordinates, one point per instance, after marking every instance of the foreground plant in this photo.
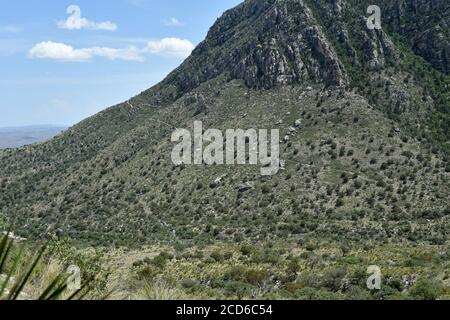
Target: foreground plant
(14, 279)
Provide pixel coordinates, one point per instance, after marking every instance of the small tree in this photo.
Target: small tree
(425, 290)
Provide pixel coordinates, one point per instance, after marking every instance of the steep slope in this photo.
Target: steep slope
(426, 25)
(369, 161)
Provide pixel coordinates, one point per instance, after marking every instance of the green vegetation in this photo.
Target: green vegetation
(43, 276)
(11, 261)
(365, 179)
(307, 272)
(400, 197)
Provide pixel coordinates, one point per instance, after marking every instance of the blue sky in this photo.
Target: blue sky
(62, 61)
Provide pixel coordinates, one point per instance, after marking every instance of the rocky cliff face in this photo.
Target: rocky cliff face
(272, 42)
(369, 49)
(266, 44)
(422, 24)
(426, 26)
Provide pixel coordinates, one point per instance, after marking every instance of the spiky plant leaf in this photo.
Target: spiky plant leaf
(53, 291)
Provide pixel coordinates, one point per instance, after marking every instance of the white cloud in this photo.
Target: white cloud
(173, 22)
(170, 48)
(166, 48)
(58, 51)
(63, 52)
(77, 22)
(10, 29)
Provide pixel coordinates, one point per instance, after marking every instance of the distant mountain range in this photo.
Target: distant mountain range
(15, 137)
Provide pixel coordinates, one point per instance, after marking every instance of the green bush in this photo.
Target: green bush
(425, 289)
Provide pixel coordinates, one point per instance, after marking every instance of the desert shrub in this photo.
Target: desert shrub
(255, 277)
(228, 255)
(315, 294)
(188, 283)
(159, 261)
(92, 264)
(26, 271)
(333, 279)
(238, 289)
(425, 289)
(309, 280)
(340, 202)
(265, 189)
(265, 256)
(217, 256)
(148, 273)
(246, 250)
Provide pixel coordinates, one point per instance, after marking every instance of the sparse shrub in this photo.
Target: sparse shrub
(425, 289)
(217, 256)
(246, 250)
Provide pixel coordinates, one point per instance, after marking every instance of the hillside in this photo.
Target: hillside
(364, 116)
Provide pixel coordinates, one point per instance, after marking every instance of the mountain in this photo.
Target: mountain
(15, 137)
(364, 117)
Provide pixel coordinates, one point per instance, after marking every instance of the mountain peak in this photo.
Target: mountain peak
(269, 43)
(266, 44)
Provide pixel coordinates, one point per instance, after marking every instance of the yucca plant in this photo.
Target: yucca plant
(14, 278)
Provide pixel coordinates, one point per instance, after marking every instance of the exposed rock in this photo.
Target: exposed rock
(280, 45)
(59, 232)
(429, 38)
(401, 101)
(245, 187)
(219, 180)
